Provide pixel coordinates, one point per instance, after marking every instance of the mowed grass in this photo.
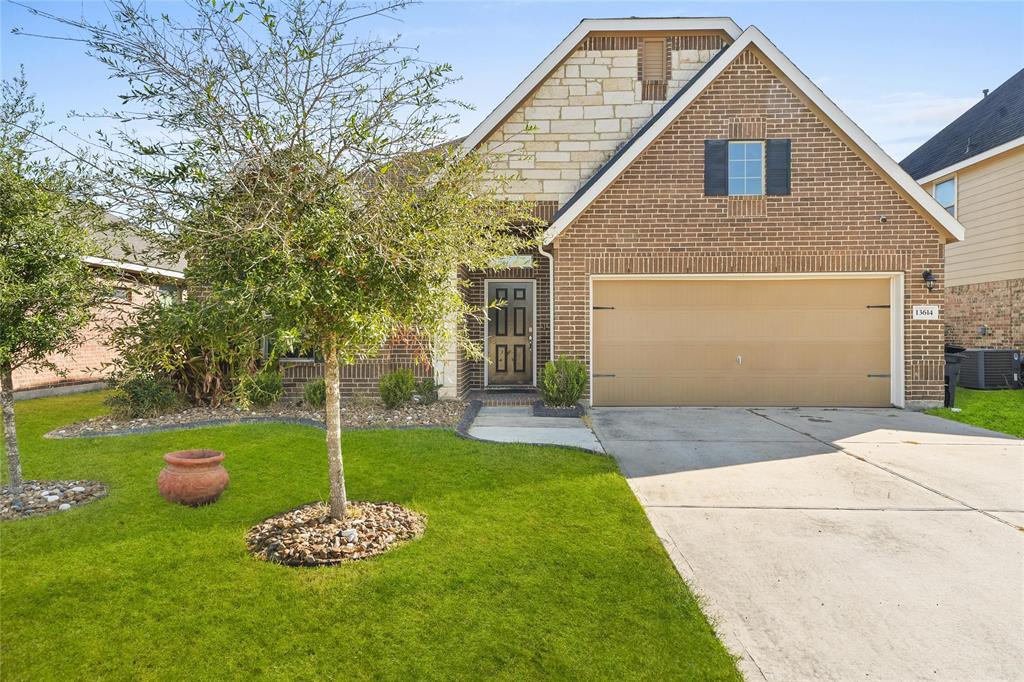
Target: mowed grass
(536, 563)
(997, 410)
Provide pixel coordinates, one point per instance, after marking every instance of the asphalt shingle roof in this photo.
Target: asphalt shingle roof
(993, 121)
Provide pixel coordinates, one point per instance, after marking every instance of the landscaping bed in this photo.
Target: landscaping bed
(356, 414)
(39, 498)
(308, 536)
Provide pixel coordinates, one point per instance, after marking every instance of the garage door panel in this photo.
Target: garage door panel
(741, 342)
(719, 354)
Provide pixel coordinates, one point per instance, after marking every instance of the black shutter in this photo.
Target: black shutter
(716, 168)
(776, 163)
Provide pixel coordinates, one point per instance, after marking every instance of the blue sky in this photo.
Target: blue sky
(900, 70)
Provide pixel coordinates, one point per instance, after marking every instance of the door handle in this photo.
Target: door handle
(739, 360)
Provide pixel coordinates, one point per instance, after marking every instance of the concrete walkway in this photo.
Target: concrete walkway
(518, 425)
(838, 544)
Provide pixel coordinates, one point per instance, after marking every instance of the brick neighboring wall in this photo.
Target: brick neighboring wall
(359, 379)
(471, 372)
(90, 360)
(999, 306)
(655, 219)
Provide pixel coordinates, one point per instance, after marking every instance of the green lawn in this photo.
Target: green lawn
(997, 410)
(536, 563)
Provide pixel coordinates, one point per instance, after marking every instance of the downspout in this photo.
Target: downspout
(551, 300)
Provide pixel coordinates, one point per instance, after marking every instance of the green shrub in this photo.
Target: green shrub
(202, 349)
(427, 389)
(143, 395)
(315, 394)
(258, 389)
(397, 387)
(563, 382)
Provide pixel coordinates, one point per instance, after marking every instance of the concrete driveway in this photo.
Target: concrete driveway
(838, 544)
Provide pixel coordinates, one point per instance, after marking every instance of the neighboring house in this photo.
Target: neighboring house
(975, 168)
(136, 281)
(718, 231)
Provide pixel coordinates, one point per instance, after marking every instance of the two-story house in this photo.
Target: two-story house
(974, 167)
(719, 231)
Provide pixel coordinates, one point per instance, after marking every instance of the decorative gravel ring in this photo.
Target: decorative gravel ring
(307, 536)
(40, 498)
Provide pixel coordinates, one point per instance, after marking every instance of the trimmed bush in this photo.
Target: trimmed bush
(427, 389)
(314, 394)
(397, 388)
(563, 382)
(143, 395)
(258, 389)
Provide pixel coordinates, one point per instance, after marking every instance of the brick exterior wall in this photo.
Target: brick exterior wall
(90, 360)
(359, 379)
(471, 372)
(655, 219)
(999, 306)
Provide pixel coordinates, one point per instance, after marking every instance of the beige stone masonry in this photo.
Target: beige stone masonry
(576, 119)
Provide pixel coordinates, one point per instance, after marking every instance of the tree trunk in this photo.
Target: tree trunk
(335, 467)
(11, 435)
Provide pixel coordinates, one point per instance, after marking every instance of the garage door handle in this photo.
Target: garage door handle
(599, 376)
(739, 360)
(879, 376)
(880, 306)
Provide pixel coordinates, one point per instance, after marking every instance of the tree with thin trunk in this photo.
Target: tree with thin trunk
(46, 290)
(299, 165)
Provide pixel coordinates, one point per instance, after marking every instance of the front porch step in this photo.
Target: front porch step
(496, 397)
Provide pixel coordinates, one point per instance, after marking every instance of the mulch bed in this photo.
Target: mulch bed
(354, 415)
(307, 536)
(39, 498)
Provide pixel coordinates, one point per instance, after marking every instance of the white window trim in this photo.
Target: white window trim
(728, 177)
(897, 306)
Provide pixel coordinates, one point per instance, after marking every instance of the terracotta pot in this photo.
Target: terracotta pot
(193, 477)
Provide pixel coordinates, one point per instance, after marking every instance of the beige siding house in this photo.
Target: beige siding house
(975, 168)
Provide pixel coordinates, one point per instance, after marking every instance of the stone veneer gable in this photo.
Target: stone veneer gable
(586, 108)
(655, 219)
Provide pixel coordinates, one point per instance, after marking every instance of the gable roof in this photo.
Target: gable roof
(604, 176)
(569, 43)
(994, 122)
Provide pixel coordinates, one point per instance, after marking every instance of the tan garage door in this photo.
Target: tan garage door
(741, 342)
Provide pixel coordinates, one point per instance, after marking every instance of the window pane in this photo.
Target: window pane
(945, 194)
(746, 168)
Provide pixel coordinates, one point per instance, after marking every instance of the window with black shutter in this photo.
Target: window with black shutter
(747, 168)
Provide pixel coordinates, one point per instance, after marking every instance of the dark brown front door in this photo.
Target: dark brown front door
(510, 334)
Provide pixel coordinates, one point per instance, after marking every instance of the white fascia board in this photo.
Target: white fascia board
(133, 267)
(570, 42)
(971, 160)
(753, 36)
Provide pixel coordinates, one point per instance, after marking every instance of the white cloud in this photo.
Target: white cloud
(901, 122)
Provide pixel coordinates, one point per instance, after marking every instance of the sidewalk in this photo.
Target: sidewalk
(514, 424)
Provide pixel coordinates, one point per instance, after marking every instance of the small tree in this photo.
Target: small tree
(46, 291)
(303, 175)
